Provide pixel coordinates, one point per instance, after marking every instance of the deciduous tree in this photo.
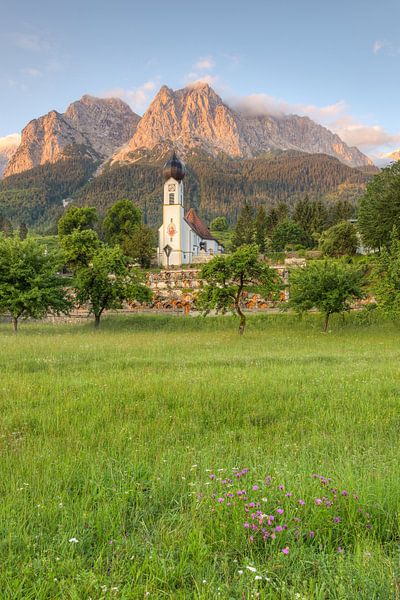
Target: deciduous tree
(339, 240)
(121, 221)
(76, 217)
(30, 286)
(380, 208)
(107, 282)
(140, 246)
(329, 286)
(227, 278)
(387, 288)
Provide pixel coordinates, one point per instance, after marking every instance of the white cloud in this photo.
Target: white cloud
(138, 98)
(32, 72)
(11, 140)
(194, 78)
(204, 64)
(261, 104)
(29, 41)
(377, 46)
(373, 139)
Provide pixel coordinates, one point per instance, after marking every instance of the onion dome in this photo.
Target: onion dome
(174, 168)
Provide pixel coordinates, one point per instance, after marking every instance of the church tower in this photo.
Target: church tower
(172, 234)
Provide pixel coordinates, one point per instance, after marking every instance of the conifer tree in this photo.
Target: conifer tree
(245, 228)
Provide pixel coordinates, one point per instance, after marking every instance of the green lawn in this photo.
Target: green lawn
(119, 439)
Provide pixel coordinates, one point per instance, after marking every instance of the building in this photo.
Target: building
(182, 239)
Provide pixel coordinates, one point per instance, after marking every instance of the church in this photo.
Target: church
(182, 239)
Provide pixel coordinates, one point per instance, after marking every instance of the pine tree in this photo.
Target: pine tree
(245, 228)
(261, 228)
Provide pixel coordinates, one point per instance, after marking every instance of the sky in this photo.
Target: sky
(337, 62)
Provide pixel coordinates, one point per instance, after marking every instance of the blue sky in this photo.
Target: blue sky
(338, 62)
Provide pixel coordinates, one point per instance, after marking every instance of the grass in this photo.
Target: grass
(110, 437)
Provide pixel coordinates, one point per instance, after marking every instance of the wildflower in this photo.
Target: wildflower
(340, 550)
(264, 499)
(255, 488)
(212, 476)
(246, 525)
(279, 528)
(240, 572)
(273, 536)
(301, 502)
(285, 550)
(257, 577)
(251, 538)
(289, 495)
(345, 493)
(281, 487)
(73, 540)
(280, 511)
(336, 519)
(318, 501)
(204, 580)
(252, 569)
(311, 534)
(220, 500)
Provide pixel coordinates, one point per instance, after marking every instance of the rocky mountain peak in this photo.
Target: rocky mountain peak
(100, 124)
(194, 116)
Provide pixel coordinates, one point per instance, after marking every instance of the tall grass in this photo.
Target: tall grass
(110, 437)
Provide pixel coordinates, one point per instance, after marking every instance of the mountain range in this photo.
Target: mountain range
(99, 151)
(193, 117)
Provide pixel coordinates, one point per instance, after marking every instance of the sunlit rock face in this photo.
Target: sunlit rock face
(100, 125)
(193, 117)
(196, 116)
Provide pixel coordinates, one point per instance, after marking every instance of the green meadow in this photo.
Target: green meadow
(123, 449)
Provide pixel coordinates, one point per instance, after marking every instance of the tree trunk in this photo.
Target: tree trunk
(97, 321)
(326, 322)
(15, 324)
(242, 316)
(242, 323)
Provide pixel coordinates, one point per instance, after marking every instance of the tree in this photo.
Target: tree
(79, 247)
(30, 286)
(380, 208)
(245, 228)
(6, 227)
(387, 288)
(77, 217)
(106, 282)
(329, 286)
(311, 216)
(22, 231)
(141, 246)
(120, 221)
(261, 229)
(228, 277)
(339, 240)
(287, 232)
(219, 224)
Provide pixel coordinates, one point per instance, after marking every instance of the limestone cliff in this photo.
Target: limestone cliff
(100, 125)
(196, 116)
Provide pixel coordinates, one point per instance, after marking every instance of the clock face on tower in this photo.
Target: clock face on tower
(171, 187)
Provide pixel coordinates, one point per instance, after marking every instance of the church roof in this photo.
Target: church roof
(198, 225)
